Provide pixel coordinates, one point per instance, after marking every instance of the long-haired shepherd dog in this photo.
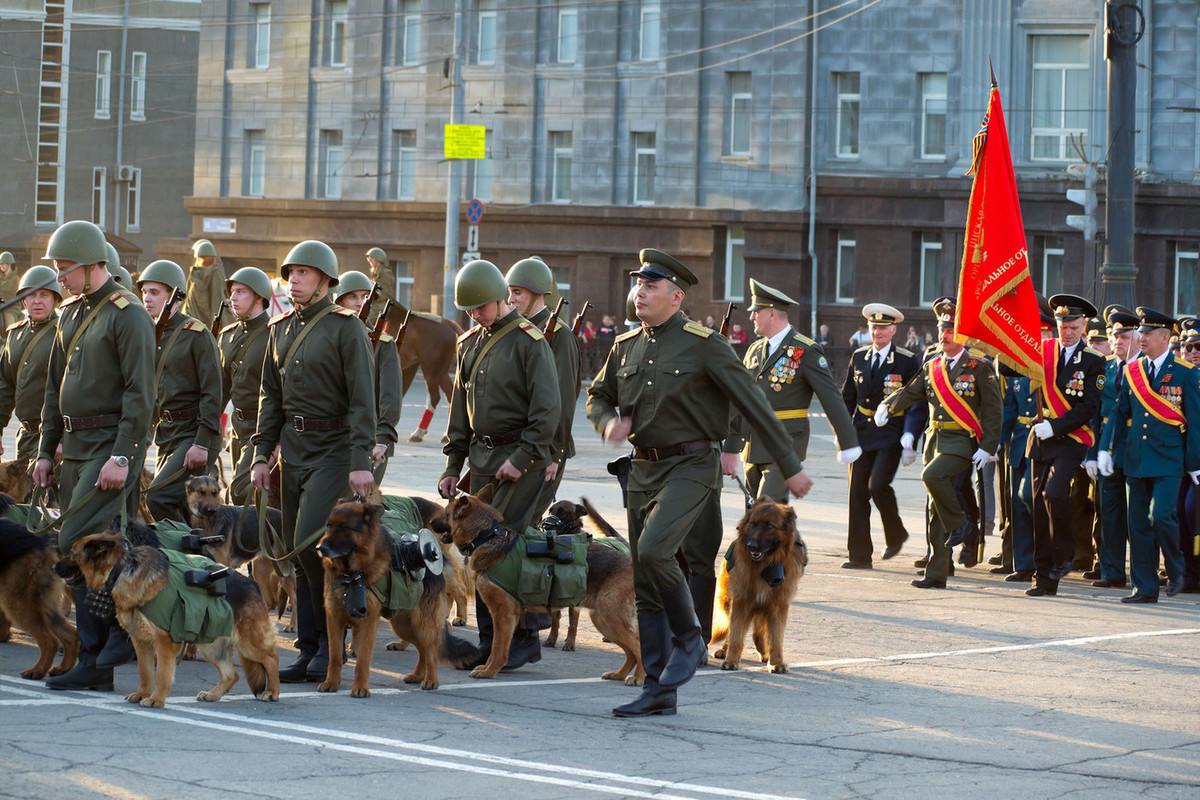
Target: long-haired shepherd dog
(141, 575)
(355, 547)
(609, 594)
(31, 596)
(759, 578)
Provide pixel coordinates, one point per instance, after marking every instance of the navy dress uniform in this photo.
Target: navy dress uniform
(873, 375)
(1020, 410)
(1114, 505)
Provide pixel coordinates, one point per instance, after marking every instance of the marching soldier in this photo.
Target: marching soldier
(875, 372)
(1085, 494)
(964, 430)
(243, 348)
(1069, 400)
(316, 415)
(26, 358)
(503, 417)
(187, 377)
(666, 388)
(205, 288)
(10, 281)
(1159, 395)
(99, 397)
(380, 271)
(352, 291)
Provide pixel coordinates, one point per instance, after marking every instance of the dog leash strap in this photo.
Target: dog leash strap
(272, 541)
(158, 483)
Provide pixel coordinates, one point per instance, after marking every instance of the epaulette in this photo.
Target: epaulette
(1181, 362)
(467, 334)
(120, 300)
(863, 349)
(345, 312)
(194, 325)
(697, 329)
(1087, 349)
(628, 335)
(976, 353)
(932, 348)
(386, 337)
(904, 351)
(800, 337)
(15, 325)
(230, 327)
(75, 298)
(1110, 356)
(531, 329)
(280, 317)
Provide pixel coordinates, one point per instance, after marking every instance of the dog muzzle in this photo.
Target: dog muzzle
(773, 575)
(354, 597)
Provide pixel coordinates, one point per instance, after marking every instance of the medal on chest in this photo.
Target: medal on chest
(965, 385)
(1074, 386)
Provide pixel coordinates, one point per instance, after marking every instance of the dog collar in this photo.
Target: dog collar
(482, 537)
(113, 575)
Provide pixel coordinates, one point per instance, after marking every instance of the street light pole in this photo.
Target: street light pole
(454, 185)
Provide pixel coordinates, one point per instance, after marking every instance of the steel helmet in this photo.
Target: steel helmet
(532, 274)
(377, 254)
(40, 274)
(253, 277)
(7, 258)
(631, 317)
(78, 240)
(114, 258)
(203, 247)
(352, 281)
(121, 276)
(479, 282)
(165, 272)
(311, 253)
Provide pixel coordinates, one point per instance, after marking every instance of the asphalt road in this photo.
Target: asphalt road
(892, 692)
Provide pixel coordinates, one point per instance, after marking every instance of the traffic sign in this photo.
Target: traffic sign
(466, 141)
(472, 237)
(474, 212)
(469, 256)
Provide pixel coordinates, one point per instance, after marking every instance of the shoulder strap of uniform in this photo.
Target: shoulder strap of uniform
(1184, 363)
(342, 310)
(194, 325)
(697, 329)
(531, 329)
(628, 335)
(905, 352)
(75, 298)
(15, 325)
(467, 334)
(1093, 351)
(386, 337)
(800, 337)
(229, 327)
(280, 317)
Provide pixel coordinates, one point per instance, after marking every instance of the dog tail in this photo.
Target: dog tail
(598, 523)
(457, 652)
(720, 624)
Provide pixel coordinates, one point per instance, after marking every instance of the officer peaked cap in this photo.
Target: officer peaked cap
(881, 314)
(763, 296)
(1069, 307)
(657, 266)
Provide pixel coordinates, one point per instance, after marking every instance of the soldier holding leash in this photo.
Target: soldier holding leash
(26, 358)
(243, 347)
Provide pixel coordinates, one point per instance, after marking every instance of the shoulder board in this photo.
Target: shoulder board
(904, 351)
(1093, 352)
(971, 351)
(230, 327)
(194, 325)
(280, 317)
(75, 298)
(804, 340)
(1110, 357)
(386, 337)
(628, 335)
(531, 329)
(862, 350)
(15, 325)
(467, 334)
(345, 312)
(697, 329)
(1183, 363)
(120, 300)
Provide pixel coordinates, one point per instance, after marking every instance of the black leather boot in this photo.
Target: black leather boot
(117, 650)
(307, 637)
(525, 648)
(318, 667)
(92, 634)
(703, 590)
(687, 645)
(483, 620)
(654, 633)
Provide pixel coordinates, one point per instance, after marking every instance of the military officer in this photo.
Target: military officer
(1159, 395)
(352, 291)
(504, 414)
(99, 397)
(963, 430)
(1189, 544)
(789, 368)
(1085, 494)
(316, 414)
(1069, 400)
(10, 280)
(205, 287)
(26, 357)
(243, 348)
(875, 372)
(666, 388)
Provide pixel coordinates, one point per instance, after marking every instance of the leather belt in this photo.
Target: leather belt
(670, 451)
(791, 413)
(303, 424)
(72, 424)
(945, 425)
(31, 425)
(245, 415)
(498, 439)
(169, 415)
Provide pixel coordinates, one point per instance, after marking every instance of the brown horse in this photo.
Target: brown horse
(428, 345)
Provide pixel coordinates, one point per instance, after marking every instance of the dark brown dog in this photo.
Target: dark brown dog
(31, 596)
(755, 593)
(15, 480)
(143, 575)
(356, 543)
(609, 595)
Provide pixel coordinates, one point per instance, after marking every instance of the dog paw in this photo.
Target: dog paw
(551, 642)
(363, 692)
(35, 674)
(729, 665)
(327, 686)
(207, 697)
(134, 697)
(150, 702)
(400, 645)
(429, 686)
(481, 672)
(779, 669)
(458, 622)
(411, 677)
(720, 653)
(634, 680)
(59, 670)
(763, 659)
(568, 647)
(612, 676)
(267, 697)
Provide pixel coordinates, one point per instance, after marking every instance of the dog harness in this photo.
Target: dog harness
(190, 614)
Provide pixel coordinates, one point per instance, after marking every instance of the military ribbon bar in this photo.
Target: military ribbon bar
(951, 401)
(1152, 401)
(1056, 401)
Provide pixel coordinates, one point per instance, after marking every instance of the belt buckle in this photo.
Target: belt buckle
(487, 442)
(67, 423)
(165, 415)
(652, 452)
(298, 423)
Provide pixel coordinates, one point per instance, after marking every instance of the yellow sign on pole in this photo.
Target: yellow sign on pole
(465, 141)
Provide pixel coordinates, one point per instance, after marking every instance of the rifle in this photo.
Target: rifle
(577, 323)
(164, 316)
(380, 324)
(725, 322)
(216, 321)
(364, 313)
(403, 330)
(552, 323)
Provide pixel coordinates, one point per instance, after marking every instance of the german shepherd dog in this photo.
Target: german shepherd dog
(757, 584)
(354, 544)
(570, 517)
(141, 575)
(16, 480)
(609, 595)
(31, 596)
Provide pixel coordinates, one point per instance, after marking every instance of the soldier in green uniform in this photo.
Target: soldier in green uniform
(99, 398)
(667, 388)
(26, 357)
(187, 375)
(381, 271)
(965, 413)
(317, 411)
(503, 416)
(10, 281)
(205, 283)
(243, 347)
(352, 291)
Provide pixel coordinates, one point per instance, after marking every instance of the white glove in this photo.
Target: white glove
(981, 458)
(881, 415)
(1195, 476)
(908, 456)
(1104, 463)
(1093, 469)
(849, 456)
(906, 440)
(1043, 430)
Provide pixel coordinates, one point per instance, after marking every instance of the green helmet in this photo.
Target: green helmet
(36, 276)
(631, 317)
(311, 253)
(165, 272)
(114, 258)
(7, 258)
(79, 241)
(352, 281)
(377, 254)
(478, 283)
(253, 277)
(532, 274)
(121, 276)
(203, 247)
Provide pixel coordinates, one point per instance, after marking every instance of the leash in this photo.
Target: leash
(158, 483)
(272, 540)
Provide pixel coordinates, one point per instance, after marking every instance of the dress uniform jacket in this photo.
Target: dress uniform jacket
(189, 381)
(26, 347)
(1154, 448)
(974, 380)
(862, 393)
(1114, 501)
(1081, 382)
(243, 347)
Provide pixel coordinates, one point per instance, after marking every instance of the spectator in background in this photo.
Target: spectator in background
(928, 338)
(739, 340)
(710, 322)
(861, 337)
(824, 337)
(913, 342)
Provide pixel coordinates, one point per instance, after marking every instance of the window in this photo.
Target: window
(254, 161)
(643, 168)
(931, 267)
(735, 263)
(933, 115)
(845, 267)
(847, 114)
(404, 164)
(133, 202)
(1052, 265)
(738, 121)
(103, 83)
(486, 38)
(335, 33)
(649, 38)
(137, 87)
(410, 33)
(404, 283)
(258, 36)
(560, 166)
(99, 195)
(1061, 79)
(1187, 280)
(329, 165)
(568, 33)
(562, 282)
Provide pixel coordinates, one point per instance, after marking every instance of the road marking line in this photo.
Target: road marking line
(98, 786)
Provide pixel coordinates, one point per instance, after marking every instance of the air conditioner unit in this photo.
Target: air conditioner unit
(124, 173)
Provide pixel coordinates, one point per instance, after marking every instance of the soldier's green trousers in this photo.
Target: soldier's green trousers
(660, 522)
(241, 491)
(938, 477)
(549, 490)
(75, 480)
(765, 480)
(515, 500)
(308, 495)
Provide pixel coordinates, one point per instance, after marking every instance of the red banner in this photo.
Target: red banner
(997, 309)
